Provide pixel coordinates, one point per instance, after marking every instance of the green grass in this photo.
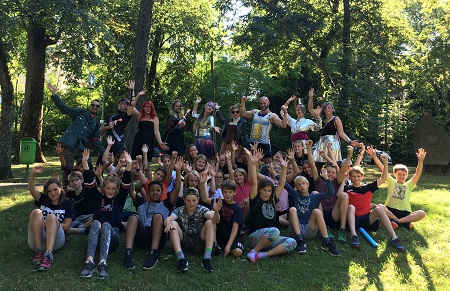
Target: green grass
(423, 267)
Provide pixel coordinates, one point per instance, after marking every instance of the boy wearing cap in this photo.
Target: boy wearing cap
(193, 226)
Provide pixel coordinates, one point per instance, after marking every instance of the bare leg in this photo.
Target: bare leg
(130, 231)
(157, 230)
(293, 220)
(35, 223)
(380, 213)
(51, 225)
(352, 219)
(340, 209)
(413, 216)
(175, 237)
(317, 221)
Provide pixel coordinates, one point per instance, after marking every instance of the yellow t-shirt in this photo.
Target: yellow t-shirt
(399, 194)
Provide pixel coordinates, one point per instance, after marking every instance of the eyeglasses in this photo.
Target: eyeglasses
(219, 177)
(95, 105)
(235, 112)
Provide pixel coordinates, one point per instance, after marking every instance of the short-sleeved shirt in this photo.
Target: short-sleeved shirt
(190, 224)
(146, 209)
(360, 197)
(242, 192)
(399, 195)
(263, 213)
(83, 203)
(61, 211)
(229, 214)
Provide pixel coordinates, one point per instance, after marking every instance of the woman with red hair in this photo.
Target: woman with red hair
(148, 129)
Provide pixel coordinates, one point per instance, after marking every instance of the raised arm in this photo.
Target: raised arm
(295, 170)
(59, 150)
(384, 174)
(421, 154)
(177, 186)
(244, 112)
(373, 154)
(311, 161)
(105, 157)
(344, 168)
(32, 182)
(277, 120)
(361, 154)
(202, 189)
(253, 161)
(145, 164)
(311, 110)
(280, 186)
(229, 165)
(70, 111)
(195, 108)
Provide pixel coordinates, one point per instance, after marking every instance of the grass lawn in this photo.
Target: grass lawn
(423, 267)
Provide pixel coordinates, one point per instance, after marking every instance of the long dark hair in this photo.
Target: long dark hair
(62, 195)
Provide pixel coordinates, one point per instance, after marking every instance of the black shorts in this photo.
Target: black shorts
(267, 150)
(364, 222)
(398, 213)
(329, 221)
(144, 236)
(222, 240)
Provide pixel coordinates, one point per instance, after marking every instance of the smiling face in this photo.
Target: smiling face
(193, 152)
(356, 178)
(147, 108)
(239, 178)
(155, 192)
(331, 171)
(94, 108)
(218, 179)
(264, 103)
(300, 113)
(177, 107)
(228, 195)
(400, 176)
(306, 169)
(192, 181)
(200, 165)
(53, 192)
(265, 193)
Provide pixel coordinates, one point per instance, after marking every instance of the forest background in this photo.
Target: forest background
(383, 63)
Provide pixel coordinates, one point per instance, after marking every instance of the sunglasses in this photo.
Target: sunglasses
(235, 112)
(95, 105)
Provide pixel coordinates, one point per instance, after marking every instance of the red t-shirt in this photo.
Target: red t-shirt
(360, 197)
(242, 192)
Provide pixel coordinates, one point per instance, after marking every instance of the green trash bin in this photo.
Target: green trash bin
(27, 152)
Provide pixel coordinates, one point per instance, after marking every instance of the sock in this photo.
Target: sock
(299, 237)
(180, 255)
(207, 254)
(261, 255)
(252, 255)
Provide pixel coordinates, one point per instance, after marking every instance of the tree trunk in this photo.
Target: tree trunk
(140, 57)
(346, 55)
(7, 116)
(31, 121)
(156, 50)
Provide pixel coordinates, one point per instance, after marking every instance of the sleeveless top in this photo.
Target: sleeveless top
(261, 127)
(328, 128)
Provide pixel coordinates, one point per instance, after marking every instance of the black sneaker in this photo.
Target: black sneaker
(206, 264)
(129, 259)
(183, 265)
(331, 249)
(88, 269)
(216, 249)
(397, 245)
(151, 260)
(301, 247)
(355, 242)
(102, 270)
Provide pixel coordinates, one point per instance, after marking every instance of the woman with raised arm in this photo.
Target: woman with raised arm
(203, 127)
(332, 131)
(48, 223)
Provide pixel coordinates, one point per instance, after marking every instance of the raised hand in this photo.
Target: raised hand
(142, 93)
(309, 143)
(59, 149)
(38, 169)
(178, 163)
(131, 84)
(128, 158)
(290, 154)
(324, 174)
(198, 100)
(383, 158)
(86, 153)
(350, 150)
(421, 153)
(217, 204)
(283, 163)
(144, 148)
(203, 177)
(98, 170)
(227, 154)
(244, 98)
(109, 140)
(234, 146)
(51, 88)
(311, 93)
(371, 151)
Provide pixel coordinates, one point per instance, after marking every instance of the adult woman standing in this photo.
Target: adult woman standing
(148, 128)
(301, 125)
(203, 126)
(332, 130)
(234, 129)
(175, 125)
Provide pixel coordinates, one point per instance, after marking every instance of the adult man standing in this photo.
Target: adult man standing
(262, 123)
(83, 132)
(116, 123)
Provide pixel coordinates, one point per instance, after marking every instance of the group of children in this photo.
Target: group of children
(212, 206)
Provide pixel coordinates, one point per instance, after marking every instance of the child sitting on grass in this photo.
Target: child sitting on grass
(193, 227)
(48, 223)
(107, 220)
(227, 234)
(264, 234)
(359, 212)
(398, 204)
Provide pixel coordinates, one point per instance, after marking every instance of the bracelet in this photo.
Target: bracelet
(349, 140)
